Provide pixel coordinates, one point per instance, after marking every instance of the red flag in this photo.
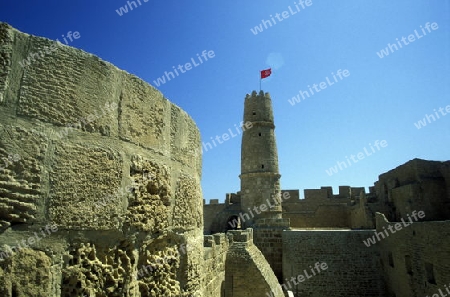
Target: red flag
(266, 73)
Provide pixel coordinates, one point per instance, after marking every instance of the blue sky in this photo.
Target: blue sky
(380, 99)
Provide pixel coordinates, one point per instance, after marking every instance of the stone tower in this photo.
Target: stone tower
(260, 179)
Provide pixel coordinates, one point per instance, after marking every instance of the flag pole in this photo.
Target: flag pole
(260, 79)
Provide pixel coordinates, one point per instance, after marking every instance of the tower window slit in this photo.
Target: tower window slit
(408, 264)
(391, 259)
(429, 270)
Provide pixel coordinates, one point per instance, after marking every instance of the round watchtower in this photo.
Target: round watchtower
(260, 179)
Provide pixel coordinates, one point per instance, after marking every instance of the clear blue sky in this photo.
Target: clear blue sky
(381, 99)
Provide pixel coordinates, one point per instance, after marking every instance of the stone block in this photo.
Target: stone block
(86, 187)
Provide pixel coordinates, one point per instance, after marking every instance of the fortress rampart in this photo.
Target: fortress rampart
(107, 159)
(100, 196)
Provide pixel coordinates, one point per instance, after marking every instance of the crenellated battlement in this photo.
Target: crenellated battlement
(230, 198)
(256, 94)
(345, 192)
(212, 202)
(216, 240)
(326, 193)
(322, 208)
(245, 236)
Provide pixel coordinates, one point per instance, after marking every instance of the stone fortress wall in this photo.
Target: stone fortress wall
(415, 261)
(419, 183)
(216, 248)
(105, 158)
(100, 187)
(100, 196)
(319, 209)
(234, 266)
(322, 209)
(412, 262)
(353, 269)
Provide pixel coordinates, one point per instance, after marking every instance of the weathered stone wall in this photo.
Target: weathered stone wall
(322, 209)
(107, 161)
(268, 238)
(417, 184)
(361, 216)
(215, 254)
(415, 259)
(247, 271)
(228, 219)
(353, 269)
(324, 216)
(210, 213)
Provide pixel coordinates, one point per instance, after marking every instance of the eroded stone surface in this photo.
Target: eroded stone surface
(101, 154)
(81, 198)
(187, 212)
(21, 175)
(159, 265)
(97, 271)
(150, 201)
(26, 273)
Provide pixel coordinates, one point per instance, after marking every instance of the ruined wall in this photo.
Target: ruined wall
(417, 184)
(361, 216)
(353, 269)
(415, 259)
(247, 271)
(100, 185)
